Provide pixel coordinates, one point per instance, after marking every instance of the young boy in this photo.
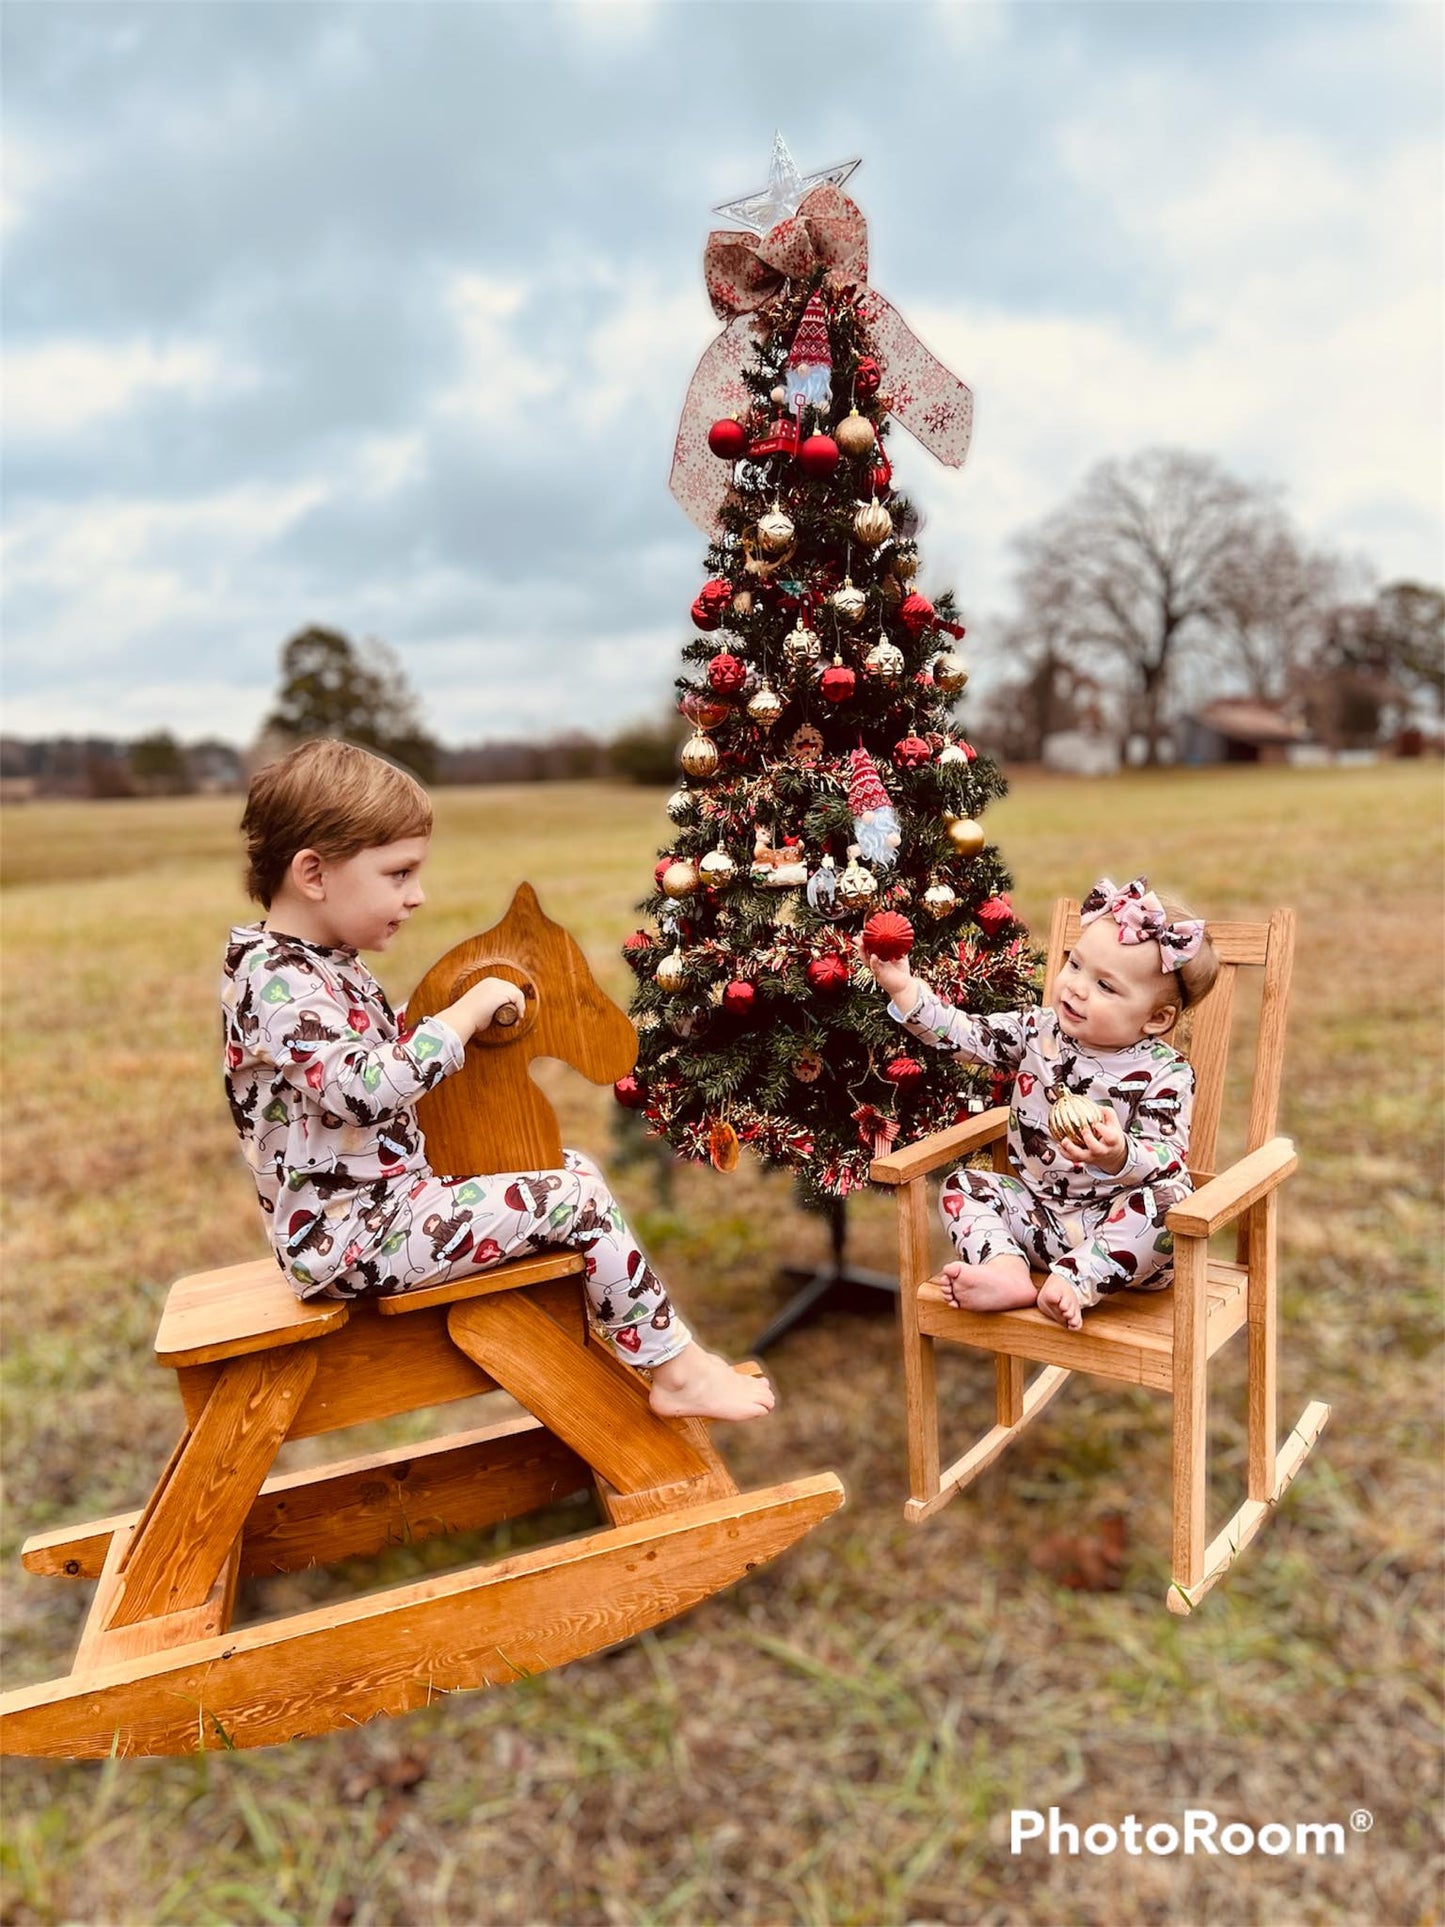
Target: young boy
(323, 1078)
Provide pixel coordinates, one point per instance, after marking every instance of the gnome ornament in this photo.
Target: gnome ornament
(875, 821)
(808, 379)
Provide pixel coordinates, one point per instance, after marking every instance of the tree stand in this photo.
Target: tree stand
(833, 1286)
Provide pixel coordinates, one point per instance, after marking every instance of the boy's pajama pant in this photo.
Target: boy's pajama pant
(448, 1228)
(1098, 1249)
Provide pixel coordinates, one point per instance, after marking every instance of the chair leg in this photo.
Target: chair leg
(1263, 1313)
(919, 1375)
(1191, 1358)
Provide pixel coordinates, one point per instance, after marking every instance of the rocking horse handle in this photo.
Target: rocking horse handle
(489, 1115)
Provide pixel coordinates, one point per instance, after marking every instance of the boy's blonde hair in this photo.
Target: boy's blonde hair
(1196, 977)
(330, 797)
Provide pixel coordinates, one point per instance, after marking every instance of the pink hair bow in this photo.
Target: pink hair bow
(1141, 918)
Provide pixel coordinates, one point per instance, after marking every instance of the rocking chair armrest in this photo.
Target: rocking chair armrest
(943, 1147)
(1221, 1201)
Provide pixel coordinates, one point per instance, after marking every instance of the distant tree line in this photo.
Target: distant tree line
(1164, 580)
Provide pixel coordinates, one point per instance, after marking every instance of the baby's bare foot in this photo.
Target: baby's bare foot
(992, 1287)
(699, 1384)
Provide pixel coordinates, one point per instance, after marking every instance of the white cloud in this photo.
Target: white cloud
(59, 386)
(498, 375)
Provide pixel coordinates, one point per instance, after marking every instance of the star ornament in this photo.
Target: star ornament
(785, 191)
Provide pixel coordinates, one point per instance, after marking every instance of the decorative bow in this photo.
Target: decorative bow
(1142, 918)
(743, 274)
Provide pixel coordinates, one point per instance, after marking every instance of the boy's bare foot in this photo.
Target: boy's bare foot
(699, 1384)
(1001, 1285)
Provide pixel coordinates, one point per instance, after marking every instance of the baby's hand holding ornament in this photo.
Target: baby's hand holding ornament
(884, 945)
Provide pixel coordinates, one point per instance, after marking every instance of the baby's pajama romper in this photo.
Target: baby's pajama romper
(1098, 1231)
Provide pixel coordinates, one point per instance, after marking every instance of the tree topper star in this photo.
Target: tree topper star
(785, 191)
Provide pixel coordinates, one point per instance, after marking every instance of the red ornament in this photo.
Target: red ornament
(867, 376)
(970, 754)
(906, 1073)
(780, 437)
(712, 602)
(827, 974)
(838, 683)
(916, 613)
(993, 915)
(888, 935)
(629, 1093)
(911, 753)
(880, 479)
(727, 438)
(704, 710)
(660, 868)
(637, 945)
(818, 456)
(726, 673)
(739, 997)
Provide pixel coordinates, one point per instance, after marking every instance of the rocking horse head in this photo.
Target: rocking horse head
(490, 1115)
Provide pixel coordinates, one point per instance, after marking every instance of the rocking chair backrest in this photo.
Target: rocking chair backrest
(490, 1116)
(1240, 946)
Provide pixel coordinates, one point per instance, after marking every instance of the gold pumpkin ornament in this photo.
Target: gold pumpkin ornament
(872, 524)
(966, 836)
(1071, 1115)
(699, 755)
(949, 673)
(855, 435)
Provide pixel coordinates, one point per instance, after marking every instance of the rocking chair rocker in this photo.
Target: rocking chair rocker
(1164, 1340)
(159, 1669)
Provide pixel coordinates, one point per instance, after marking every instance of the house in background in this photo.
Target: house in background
(1238, 729)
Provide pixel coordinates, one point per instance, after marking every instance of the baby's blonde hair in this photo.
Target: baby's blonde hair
(330, 797)
(1195, 978)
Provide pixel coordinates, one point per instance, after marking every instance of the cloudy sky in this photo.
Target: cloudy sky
(381, 316)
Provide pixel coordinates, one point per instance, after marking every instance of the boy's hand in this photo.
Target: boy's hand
(1060, 1302)
(476, 1008)
(894, 978)
(1102, 1144)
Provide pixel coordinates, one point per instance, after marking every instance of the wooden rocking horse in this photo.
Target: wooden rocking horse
(160, 1669)
(1165, 1339)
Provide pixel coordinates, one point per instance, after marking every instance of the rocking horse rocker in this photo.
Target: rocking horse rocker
(160, 1668)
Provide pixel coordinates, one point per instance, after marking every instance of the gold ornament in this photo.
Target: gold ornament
(805, 745)
(802, 646)
(965, 835)
(671, 973)
(775, 530)
(951, 753)
(1070, 1116)
(766, 707)
(807, 1067)
(743, 603)
(857, 885)
(872, 524)
(848, 602)
(949, 673)
(679, 879)
(905, 566)
(717, 868)
(884, 661)
(699, 755)
(938, 901)
(855, 436)
(678, 804)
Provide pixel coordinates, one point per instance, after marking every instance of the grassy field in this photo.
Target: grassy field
(841, 1738)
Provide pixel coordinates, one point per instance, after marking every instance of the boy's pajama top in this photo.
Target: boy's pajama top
(1098, 1231)
(323, 1077)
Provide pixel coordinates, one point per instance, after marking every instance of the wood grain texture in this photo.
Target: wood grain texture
(490, 1116)
(578, 1392)
(403, 1648)
(920, 1380)
(1220, 1202)
(102, 1646)
(1040, 1389)
(463, 1482)
(183, 1540)
(1262, 1388)
(1191, 1356)
(237, 1310)
(507, 1277)
(943, 1147)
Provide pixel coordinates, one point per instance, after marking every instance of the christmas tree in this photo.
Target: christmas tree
(829, 790)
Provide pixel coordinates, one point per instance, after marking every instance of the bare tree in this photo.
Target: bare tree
(1272, 609)
(1132, 568)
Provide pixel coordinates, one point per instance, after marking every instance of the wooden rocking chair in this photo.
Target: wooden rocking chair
(159, 1669)
(1164, 1340)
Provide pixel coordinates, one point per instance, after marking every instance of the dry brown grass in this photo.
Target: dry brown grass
(841, 1738)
